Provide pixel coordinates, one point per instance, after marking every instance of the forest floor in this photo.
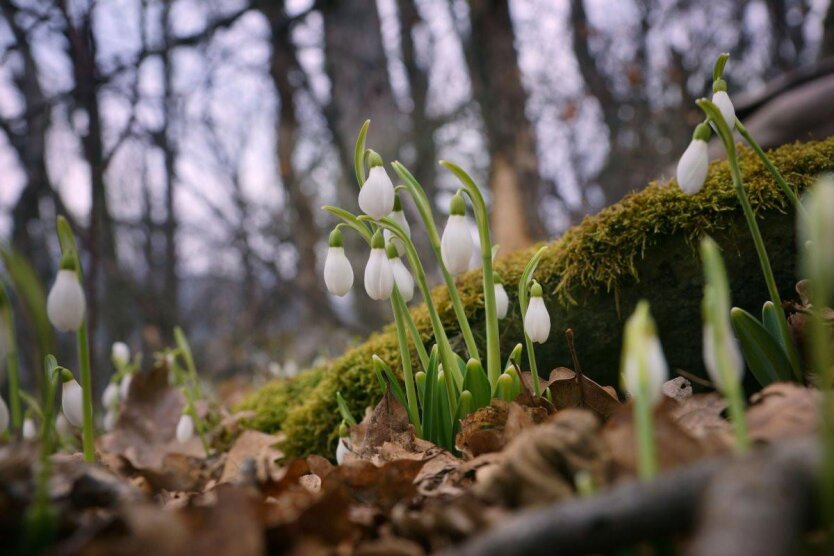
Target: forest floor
(571, 463)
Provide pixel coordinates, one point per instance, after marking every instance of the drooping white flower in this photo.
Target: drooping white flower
(185, 428)
(30, 431)
(110, 419)
(66, 304)
(120, 354)
(338, 274)
(4, 416)
(730, 345)
(402, 277)
(816, 231)
(63, 426)
(110, 396)
(72, 402)
(376, 197)
(398, 216)
(537, 319)
(725, 105)
(644, 366)
(456, 245)
(502, 302)
(379, 278)
(342, 450)
(694, 163)
(124, 386)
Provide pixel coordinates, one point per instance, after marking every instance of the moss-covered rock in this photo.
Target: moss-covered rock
(644, 247)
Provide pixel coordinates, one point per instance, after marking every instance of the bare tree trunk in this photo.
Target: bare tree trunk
(496, 81)
(827, 44)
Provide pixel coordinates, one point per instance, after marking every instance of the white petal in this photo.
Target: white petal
(185, 429)
(4, 416)
(110, 396)
(403, 279)
(30, 431)
(502, 302)
(456, 245)
(711, 356)
(66, 305)
(379, 279)
(728, 112)
(72, 403)
(338, 274)
(110, 419)
(124, 386)
(376, 197)
(120, 353)
(537, 321)
(693, 166)
(399, 217)
(342, 450)
(62, 426)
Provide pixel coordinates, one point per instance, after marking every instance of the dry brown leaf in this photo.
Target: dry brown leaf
(570, 390)
(781, 410)
(701, 416)
(381, 487)
(490, 428)
(255, 445)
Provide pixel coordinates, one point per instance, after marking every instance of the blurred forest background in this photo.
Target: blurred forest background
(192, 142)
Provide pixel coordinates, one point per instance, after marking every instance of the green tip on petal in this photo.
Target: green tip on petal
(374, 159)
(68, 261)
(66, 375)
(377, 242)
(336, 238)
(702, 132)
(398, 206)
(457, 206)
(391, 251)
(719, 85)
(535, 289)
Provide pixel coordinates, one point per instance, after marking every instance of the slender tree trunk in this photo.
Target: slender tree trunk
(496, 81)
(170, 289)
(827, 44)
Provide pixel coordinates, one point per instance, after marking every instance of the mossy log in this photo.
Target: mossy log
(644, 247)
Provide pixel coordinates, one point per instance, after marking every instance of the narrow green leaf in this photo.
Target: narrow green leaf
(477, 383)
(764, 356)
(359, 154)
(344, 411)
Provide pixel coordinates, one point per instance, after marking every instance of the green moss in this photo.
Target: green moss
(641, 247)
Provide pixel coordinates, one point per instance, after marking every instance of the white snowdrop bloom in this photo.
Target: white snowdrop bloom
(379, 278)
(502, 302)
(185, 429)
(110, 419)
(4, 416)
(376, 197)
(30, 431)
(338, 274)
(817, 230)
(730, 344)
(537, 319)
(124, 386)
(110, 396)
(342, 450)
(692, 167)
(725, 105)
(275, 368)
(120, 354)
(456, 245)
(398, 216)
(644, 368)
(402, 277)
(72, 402)
(66, 304)
(290, 368)
(63, 426)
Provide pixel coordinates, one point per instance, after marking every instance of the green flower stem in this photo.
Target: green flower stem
(482, 219)
(735, 398)
(787, 189)
(646, 453)
(447, 357)
(424, 208)
(712, 112)
(188, 357)
(67, 240)
(419, 346)
(12, 360)
(405, 355)
(523, 302)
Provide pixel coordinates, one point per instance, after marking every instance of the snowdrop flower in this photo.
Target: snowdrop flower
(644, 367)
(711, 354)
(62, 426)
(124, 386)
(290, 368)
(723, 102)
(4, 416)
(185, 428)
(402, 277)
(817, 230)
(537, 320)
(72, 402)
(376, 197)
(110, 396)
(120, 354)
(65, 304)
(338, 274)
(694, 163)
(502, 302)
(342, 450)
(379, 278)
(110, 419)
(30, 431)
(398, 216)
(456, 245)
